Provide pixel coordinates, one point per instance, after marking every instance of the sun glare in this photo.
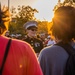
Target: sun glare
(45, 8)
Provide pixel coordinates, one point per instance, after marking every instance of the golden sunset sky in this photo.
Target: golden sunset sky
(45, 7)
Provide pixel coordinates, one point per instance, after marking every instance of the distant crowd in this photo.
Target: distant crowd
(47, 39)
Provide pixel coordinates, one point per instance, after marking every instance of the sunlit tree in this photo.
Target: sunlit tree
(69, 1)
(43, 27)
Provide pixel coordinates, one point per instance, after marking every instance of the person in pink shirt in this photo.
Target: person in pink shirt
(21, 58)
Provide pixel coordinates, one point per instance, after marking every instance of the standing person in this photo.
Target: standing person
(53, 59)
(31, 29)
(7, 34)
(21, 59)
(43, 38)
(51, 41)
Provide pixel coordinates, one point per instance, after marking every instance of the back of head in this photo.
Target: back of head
(64, 23)
(4, 19)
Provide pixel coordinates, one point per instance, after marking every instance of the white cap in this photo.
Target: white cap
(30, 24)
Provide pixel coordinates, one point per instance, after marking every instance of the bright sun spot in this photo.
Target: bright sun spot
(45, 8)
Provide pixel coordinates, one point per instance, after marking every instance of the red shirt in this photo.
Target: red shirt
(21, 59)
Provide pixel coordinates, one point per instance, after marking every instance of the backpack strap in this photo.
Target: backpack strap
(68, 48)
(5, 55)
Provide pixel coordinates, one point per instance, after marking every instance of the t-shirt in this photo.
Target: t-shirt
(21, 59)
(53, 60)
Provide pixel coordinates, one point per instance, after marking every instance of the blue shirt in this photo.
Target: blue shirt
(53, 60)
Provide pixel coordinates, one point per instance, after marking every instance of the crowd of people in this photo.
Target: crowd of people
(36, 55)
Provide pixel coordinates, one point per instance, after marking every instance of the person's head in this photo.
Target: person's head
(31, 28)
(4, 19)
(42, 36)
(49, 37)
(64, 23)
(7, 33)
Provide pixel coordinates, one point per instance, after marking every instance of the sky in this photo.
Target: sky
(45, 7)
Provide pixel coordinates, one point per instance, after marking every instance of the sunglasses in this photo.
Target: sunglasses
(33, 29)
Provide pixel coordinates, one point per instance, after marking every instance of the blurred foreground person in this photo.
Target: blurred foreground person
(53, 59)
(21, 59)
(31, 29)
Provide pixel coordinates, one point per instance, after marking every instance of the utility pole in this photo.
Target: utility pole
(0, 6)
(8, 9)
(8, 4)
(0, 12)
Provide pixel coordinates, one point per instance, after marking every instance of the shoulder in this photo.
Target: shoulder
(15, 44)
(21, 45)
(19, 42)
(53, 53)
(51, 50)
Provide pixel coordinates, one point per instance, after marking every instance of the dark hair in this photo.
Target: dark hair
(64, 23)
(4, 19)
